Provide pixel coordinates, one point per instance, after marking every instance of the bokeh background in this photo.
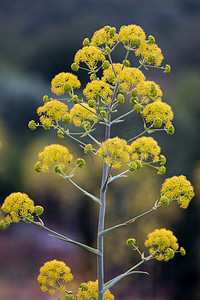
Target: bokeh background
(38, 39)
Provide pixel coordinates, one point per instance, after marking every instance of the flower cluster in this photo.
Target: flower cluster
(162, 243)
(90, 55)
(53, 276)
(158, 110)
(80, 113)
(52, 111)
(98, 89)
(92, 292)
(54, 156)
(178, 188)
(104, 36)
(17, 206)
(59, 81)
(115, 152)
(149, 90)
(144, 148)
(151, 53)
(129, 77)
(111, 73)
(132, 35)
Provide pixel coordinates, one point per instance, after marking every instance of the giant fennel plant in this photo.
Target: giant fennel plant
(110, 86)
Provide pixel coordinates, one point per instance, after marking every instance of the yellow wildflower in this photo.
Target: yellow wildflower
(162, 244)
(90, 55)
(80, 113)
(151, 53)
(52, 111)
(17, 206)
(132, 35)
(129, 77)
(158, 109)
(178, 188)
(149, 90)
(109, 75)
(53, 276)
(59, 81)
(144, 148)
(96, 89)
(54, 155)
(115, 152)
(102, 36)
(92, 292)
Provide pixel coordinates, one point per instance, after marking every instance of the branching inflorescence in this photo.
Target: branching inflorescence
(111, 85)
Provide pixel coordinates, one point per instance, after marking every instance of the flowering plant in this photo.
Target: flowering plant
(110, 86)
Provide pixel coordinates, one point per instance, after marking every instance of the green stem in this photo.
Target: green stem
(64, 238)
(122, 116)
(108, 230)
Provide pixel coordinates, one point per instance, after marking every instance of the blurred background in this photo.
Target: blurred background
(38, 39)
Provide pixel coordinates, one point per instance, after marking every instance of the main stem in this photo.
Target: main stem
(100, 259)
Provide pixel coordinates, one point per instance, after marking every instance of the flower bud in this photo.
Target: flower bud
(182, 251)
(74, 67)
(38, 166)
(75, 99)
(28, 218)
(92, 103)
(38, 210)
(157, 122)
(107, 28)
(45, 99)
(167, 69)
(164, 201)
(170, 130)
(131, 242)
(162, 160)
(103, 113)
(66, 119)
(60, 134)
(132, 166)
(112, 31)
(134, 92)
(88, 148)
(170, 253)
(126, 63)
(153, 90)
(161, 170)
(111, 78)
(139, 164)
(151, 59)
(105, 65)
(69, 297)
(151, 40)
(67, 87)
(2, 224)
(93, 77)
(107, 50)
(80, 162)
(32, 125)
(84, 286)
(86, 125)
(133, 100)
(136, 42)
(137, 108)
(86, 42)
(57, 169)
(120, 98)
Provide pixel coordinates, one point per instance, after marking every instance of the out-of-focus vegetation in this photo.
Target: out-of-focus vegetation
(38, 40)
